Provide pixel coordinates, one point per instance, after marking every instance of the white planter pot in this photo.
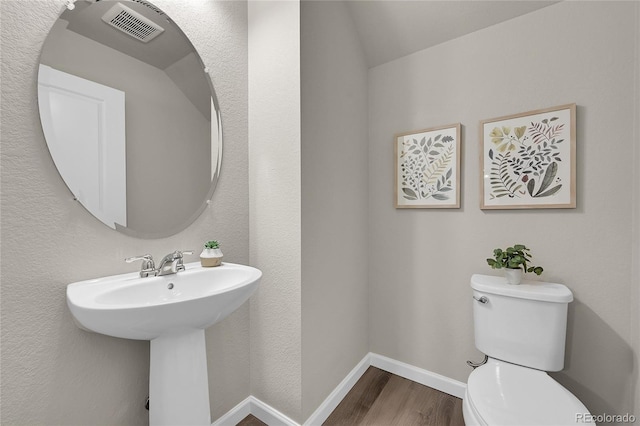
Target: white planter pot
(514, 276)
(211, 257)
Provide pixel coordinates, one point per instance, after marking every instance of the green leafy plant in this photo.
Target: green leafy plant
(213, 244)
(515, 257)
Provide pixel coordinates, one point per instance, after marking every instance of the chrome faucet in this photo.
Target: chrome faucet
(170, 264)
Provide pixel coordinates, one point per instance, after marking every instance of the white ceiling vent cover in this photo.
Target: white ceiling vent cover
(132, 23)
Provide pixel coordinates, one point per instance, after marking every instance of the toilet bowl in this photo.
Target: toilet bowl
(503, 394)
(522, 330)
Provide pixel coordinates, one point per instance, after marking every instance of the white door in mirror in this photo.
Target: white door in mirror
(85, 126)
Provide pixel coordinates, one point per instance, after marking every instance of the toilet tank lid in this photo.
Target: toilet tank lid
(533, 290)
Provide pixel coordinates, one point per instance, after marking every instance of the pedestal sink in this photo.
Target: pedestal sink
(171, 311)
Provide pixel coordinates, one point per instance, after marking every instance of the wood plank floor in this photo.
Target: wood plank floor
(384, 399)
(251, 420)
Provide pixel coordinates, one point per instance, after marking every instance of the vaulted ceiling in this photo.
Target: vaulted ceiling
(390, 29)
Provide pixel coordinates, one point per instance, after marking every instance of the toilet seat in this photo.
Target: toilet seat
(503, 394)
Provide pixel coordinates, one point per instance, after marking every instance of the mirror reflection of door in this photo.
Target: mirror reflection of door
(85, 126)
(172, 144)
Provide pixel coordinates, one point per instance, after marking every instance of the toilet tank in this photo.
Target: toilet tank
(523, 324)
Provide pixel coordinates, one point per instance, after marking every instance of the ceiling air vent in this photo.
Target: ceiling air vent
(131, 22)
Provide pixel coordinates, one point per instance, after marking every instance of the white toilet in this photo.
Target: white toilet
(521, 328)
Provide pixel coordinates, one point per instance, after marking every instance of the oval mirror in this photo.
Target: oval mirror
(130, 116)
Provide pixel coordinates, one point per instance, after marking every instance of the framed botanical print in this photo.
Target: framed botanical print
(427, 168)
(527, 160)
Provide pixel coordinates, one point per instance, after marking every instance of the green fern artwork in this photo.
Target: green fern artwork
(427, 165)
(528, 160)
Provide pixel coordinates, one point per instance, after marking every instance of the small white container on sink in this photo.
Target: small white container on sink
(211, 257)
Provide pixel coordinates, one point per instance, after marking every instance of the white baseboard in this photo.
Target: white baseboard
(236, 414)
(424, 377)
(252, 405)
(269, 415)
(331, 402)
(273, 417)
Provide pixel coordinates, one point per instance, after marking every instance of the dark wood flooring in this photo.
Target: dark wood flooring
(251, 420)
(384, 399)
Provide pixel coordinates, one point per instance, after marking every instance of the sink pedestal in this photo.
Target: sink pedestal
(178, 381)
(172, 311)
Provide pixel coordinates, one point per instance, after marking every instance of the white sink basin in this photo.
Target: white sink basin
(131, 307)
(172, 312)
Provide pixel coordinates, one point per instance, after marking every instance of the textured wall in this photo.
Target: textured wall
(52, 372)
(635, 252)
(335, 335)
(274, 183)
(580, 52)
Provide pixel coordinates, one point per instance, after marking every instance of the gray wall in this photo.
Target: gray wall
(335, 330)
(274, 184)
(635, 252)
(582, 52)
(53, 372)
(309, 318)
(419, 306)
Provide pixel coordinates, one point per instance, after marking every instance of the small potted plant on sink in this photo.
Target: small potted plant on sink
(211, 254)
(514, 262)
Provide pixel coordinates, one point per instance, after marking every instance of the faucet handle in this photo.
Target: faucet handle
(180, 259)
(146, 258)
(178, 254)
(148, 267)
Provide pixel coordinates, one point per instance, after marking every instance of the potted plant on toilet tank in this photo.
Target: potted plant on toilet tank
(514, 262)
(211, 254)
